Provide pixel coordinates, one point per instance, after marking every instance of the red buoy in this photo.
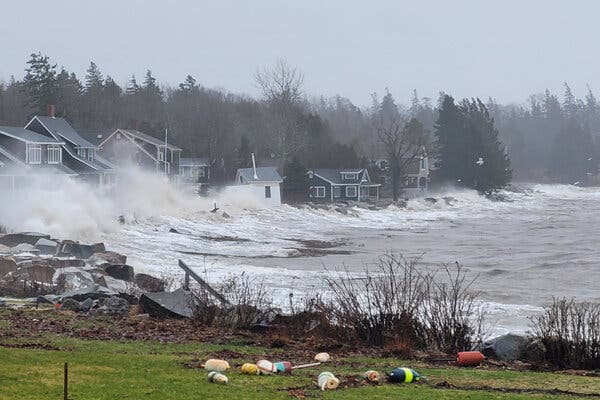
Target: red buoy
(469, 358)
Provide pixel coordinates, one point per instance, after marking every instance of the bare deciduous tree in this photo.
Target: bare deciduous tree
(281, 86)
(403, 141)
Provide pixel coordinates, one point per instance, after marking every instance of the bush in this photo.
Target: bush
(570, 332)
(451, 319)
(398, 306)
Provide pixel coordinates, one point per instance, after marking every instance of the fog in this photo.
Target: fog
(506, 49)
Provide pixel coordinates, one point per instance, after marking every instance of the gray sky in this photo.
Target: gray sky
(507, 49)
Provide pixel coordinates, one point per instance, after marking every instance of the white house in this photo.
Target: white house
(260, 183)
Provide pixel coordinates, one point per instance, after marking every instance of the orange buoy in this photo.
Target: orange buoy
(469, 358)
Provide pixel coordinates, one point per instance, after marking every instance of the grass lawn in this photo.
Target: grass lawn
(35, 344)
(151, 370)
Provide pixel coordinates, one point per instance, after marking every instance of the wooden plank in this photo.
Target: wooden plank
(203, 283)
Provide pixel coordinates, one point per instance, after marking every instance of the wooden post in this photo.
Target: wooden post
(186, 282)
(203, 283)
(66, 382)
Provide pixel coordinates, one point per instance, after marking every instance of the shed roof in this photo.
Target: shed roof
(264, 174)
(24, 135)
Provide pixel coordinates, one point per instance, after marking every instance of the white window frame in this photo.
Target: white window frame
(339, 192)
(318, 189)
(161, 155)
(354, 189)
(54, 154)
(34, 153)
(90, 154)
(346, 176)
(201, 172)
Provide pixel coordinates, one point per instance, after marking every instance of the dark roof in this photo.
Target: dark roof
(150, 139)
(335, 175)
(265, 174)
(193, 161)
(96, 137)
(60, 127)
(24, 135)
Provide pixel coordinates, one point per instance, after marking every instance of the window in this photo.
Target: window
(349, 176)
(34, 154)
(81, 152)
(320, 191)
(201, 172)
(268, 192)
(54, 155)
(350, 191)
(118, 136)
(90, 154)
(337, 191)
(161, 156)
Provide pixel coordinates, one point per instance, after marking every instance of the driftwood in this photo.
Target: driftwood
(189, 273)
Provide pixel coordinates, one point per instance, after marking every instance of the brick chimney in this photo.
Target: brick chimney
(50, 110)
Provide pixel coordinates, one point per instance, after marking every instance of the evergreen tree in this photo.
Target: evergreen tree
(94, 82)
(68, 98)
(132, 86)
(572, 154)
(40, 83)
(244, 156)
(569, 103)
(469, 151)
(189, 84)
(295, 182)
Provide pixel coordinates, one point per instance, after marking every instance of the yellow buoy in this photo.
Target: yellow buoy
(250, 369)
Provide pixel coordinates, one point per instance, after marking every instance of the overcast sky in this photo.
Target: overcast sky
(505, 49)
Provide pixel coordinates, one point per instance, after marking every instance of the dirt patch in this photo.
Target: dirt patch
(37, 346)
(554, 392)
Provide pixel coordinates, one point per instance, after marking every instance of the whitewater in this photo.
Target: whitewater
(539, 243)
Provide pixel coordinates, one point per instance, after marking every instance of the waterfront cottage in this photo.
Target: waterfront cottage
(262, 183)
(328, 185)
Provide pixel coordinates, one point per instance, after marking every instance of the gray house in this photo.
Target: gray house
(194, 170)
(78, 154)
(24, 153)
(125, 146)
(346, 184)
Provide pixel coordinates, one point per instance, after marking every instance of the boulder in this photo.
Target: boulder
(178, 304)
(7, 265)
(115, 306)
(2, 303)
(39, 273)
(122, 272)
(69, 248)
(173, 230)
(23, 248)
(225, 215)
(70, 305)
(13, 239)
(86, 305)
(46, 246)
(431, 200)
(149, 283)
(107, 257)
(91, 290)
(507, 347)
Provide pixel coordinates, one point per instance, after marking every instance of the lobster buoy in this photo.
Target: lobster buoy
(216, 365)
(250, 369)
(322, 357)
(404, 375)
(266, 367)
(372, 376)
(469, 358)
(217, 377)
(327, 381)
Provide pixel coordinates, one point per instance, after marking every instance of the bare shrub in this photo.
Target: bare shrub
(381, 306)
(205, 307)
(250, 299)
(570, 332)
(452, 318)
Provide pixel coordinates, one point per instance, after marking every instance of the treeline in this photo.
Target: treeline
(547, 139)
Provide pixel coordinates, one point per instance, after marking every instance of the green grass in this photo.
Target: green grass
(149, 370)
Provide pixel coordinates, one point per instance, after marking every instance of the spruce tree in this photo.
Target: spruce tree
(40, 83)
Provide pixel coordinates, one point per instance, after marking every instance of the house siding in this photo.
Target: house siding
(315, 182)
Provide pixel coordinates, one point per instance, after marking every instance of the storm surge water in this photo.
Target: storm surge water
(538, 243)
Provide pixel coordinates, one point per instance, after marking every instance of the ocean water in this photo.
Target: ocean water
(542, 242)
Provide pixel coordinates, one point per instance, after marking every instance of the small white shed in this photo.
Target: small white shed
(261, 183)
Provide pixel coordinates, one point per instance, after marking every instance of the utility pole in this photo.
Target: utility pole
(166, 147)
